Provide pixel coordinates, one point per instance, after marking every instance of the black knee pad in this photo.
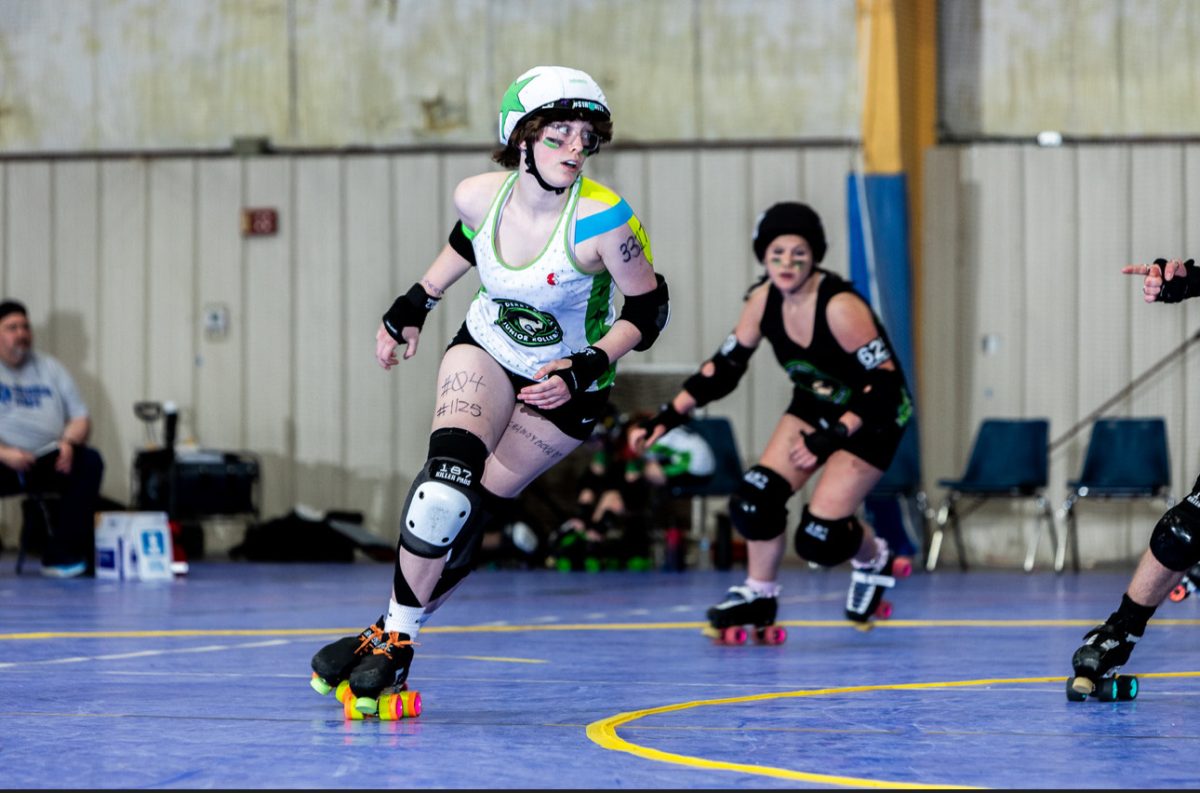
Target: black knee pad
(444, 504)
(828, 542)
(758, 510)
(1175, 541)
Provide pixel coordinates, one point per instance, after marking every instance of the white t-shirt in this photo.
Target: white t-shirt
(36, 402)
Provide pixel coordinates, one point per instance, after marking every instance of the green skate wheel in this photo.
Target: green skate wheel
(351, 712)
(1074, 684)
(1127, 687)
(343, 691)
(368, 706)
(319, 684)
(1107, 690)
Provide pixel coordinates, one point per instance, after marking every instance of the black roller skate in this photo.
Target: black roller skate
(379, 679)
(743, 606)
(1187, 585)
(333, 662)
(1105, 650)
(868, 580)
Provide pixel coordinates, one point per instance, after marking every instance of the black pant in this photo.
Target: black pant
(72, 538)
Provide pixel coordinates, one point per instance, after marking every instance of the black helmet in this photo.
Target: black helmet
(789, 217)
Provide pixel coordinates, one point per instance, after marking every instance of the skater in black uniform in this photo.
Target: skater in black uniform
(850, 406)
(1174, 543)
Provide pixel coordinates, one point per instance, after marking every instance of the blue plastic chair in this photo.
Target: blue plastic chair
(1126, 458)
(1009, 459)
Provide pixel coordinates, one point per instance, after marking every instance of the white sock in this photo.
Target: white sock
(404, 619)
(768, 589)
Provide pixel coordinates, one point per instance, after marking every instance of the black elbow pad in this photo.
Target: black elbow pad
(461, 243)
(729, 364)
(649, 313)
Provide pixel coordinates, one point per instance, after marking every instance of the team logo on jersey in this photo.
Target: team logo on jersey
(552, 279)
(527, 326)
(817, 383)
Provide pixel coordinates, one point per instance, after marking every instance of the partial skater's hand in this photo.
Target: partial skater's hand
(385, 345)
(1155, 274)
(549, 392)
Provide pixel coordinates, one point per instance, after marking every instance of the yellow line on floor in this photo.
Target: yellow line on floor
(586, 626)
(604, 732)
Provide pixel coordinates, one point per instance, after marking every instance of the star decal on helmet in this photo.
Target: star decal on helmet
(511, 103)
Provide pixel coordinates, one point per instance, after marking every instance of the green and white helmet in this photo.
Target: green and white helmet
(546, 88)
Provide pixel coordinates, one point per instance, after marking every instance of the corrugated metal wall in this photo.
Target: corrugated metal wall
(1028, 315)
(119, 261)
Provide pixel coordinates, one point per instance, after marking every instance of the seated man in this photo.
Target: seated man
(44, 427)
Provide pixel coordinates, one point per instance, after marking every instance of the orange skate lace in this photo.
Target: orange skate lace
(365, 644)
(393, 640)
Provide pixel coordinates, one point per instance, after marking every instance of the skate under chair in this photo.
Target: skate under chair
(1126, 458)
(1009, 459)
(717, 431)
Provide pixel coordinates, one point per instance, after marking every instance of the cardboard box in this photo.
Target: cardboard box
(134, 545)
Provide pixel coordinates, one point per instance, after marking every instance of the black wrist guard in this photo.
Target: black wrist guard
(668, 418)
(1181, 287)
(586, 368)
(824, 441)
(409, 311)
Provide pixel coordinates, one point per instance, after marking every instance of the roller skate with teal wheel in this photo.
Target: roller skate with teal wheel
(1106, 648)
(333, 663)
(742, 607)
(383, 671)
(1188, 585)
(869, 580)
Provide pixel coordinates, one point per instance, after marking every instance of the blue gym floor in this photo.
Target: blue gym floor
(584, 680)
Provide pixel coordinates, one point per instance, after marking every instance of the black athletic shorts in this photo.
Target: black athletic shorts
(875, 442)
(576, 418)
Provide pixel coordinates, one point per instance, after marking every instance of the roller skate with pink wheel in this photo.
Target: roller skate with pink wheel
(1105, 649)
(742, 608)
(377, 684)
(1188, 585)
(333, 663)
(869, 580)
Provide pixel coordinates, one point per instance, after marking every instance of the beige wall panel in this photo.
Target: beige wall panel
(121, 328)
(775, 175)
(825, 172)
(439, 195)
(942, 373)
(30, 249)
(179, 74)
(994, 325)
(270, 351)
(669, 209)
(1155, 225)
(1187, 437)
(752, 85)
(320, 306)
(713, 283)
(1081, 67)
(370, 401)
(406, 72)
(424, 215)
(996, 313)
(1050, 346)
(1106, 302)
(173, 324)
(1153, 87)
(220, 392)
(72, 332)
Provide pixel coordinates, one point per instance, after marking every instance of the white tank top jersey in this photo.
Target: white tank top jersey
(548, 309)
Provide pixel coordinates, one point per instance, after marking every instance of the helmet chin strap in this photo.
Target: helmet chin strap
(532, 168)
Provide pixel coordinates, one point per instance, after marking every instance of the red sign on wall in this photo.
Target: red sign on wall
(259, 222)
